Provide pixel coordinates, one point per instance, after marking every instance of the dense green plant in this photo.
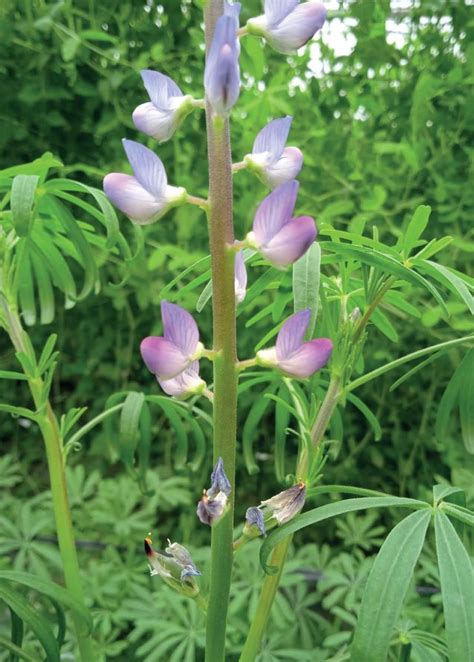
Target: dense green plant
(371, 246)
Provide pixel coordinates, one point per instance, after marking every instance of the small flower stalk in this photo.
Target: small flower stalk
(288, 25)
(175, 566)
(291, 354)
(214, 500)
(146, 196)
(277, 510)
(167, 108)
(173, 357)
(271, 160)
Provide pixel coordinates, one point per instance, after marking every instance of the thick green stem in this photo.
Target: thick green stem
(54, 454)
(270, 583)
(221, 236)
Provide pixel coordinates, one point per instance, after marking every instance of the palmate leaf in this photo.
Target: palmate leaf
(387, 586)
(326, 512)
(457, 589)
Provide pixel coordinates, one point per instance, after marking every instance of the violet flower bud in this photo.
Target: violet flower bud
(222, 72)
(270, 159)
(176, 352)
(214, 500)
(254, 520)
(160, 117)
(288, 25)
(146, 197)
(291, 354)
(240, 277)
(278, 236)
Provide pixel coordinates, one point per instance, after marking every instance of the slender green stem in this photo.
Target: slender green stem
(270, 583)
(221, 235)
(54, 453)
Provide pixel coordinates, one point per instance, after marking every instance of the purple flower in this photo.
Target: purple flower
(240, 277)
(270, 159)
(168, 107)
(291, 354)
(278, 236)
(145, 197)
(214, 500)
(186, 383)
(288, 25)
(222, 73)
(172, 357)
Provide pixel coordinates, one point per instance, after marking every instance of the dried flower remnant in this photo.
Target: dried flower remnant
(214, 500)
(175, 566)
(291, 354)
(271, 160)
(278, 509)
(287, 24)
(146, 196)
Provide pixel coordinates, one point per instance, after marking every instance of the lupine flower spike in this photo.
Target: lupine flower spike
(214, 500)
(222, 72)
(172, 358)
(278, 236)
(145, 197)
(270, 159)
(280, 508)
(288, 25)
(240, 277)
(291, 354)
(160, 117)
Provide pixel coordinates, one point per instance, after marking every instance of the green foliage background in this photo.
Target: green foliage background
(383, 129)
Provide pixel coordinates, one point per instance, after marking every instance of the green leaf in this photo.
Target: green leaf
(371, 418)
(416, 227)
(466, 401)
(387, 264)
(37, 623)
(282, 419)
(22, 203)
(326, 512)
(306, 277)
(129, 426)
(17, 632)
(18, 411)
(8, 374)
(51, 590)
(457, 589)
(16, 651)
(449, 279)
(457, 512)
(249, 431)
(44, 288)
(387, 586)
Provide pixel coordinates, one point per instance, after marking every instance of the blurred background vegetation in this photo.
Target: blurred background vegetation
(383, 107)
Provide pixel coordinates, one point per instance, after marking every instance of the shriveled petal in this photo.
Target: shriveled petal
(272, 138)
(291, 242)
(186, 383)
(276, 10)
(291, 335)
(254, 516)
(210, 510)
(180, 328)
(310, 357)
(160, 88)
(147, 167)
(183, 558)
(157, 123)
(222, 73)
(240, 277)
(219, 480)
(126, 193)
(298, 27)
(162, 357)
(287, 167)
(285, 505)
(274, 212)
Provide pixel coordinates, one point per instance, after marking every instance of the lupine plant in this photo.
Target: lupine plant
(310, 378)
